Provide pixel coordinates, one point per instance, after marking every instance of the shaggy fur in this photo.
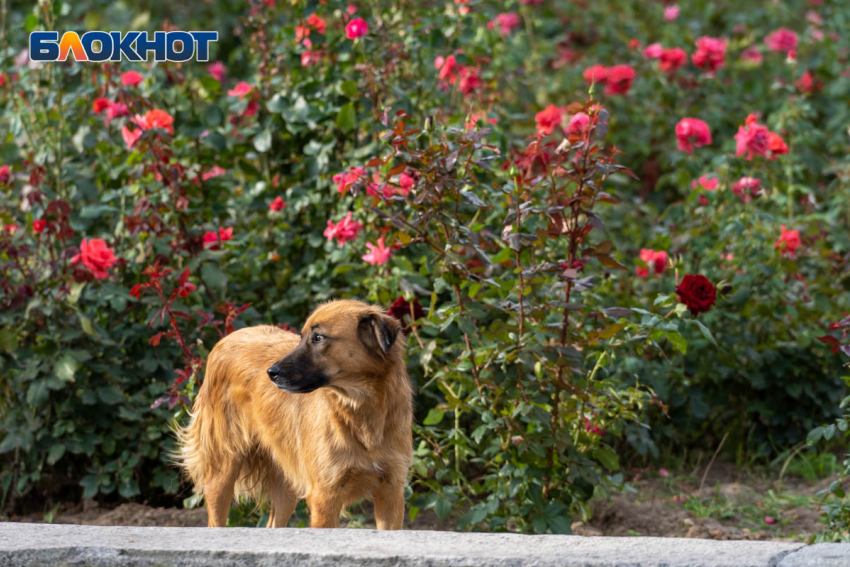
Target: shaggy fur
(344, 441)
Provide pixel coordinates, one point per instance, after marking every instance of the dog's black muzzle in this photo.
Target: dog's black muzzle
(296, 377)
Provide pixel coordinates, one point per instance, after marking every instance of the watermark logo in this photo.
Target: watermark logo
(101, 46)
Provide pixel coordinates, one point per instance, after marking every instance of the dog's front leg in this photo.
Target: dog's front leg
(325, 510)
(389, 506)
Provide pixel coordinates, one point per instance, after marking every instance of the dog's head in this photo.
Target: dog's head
(344, 344)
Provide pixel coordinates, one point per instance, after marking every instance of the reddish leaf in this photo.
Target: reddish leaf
(396, 170)
(610, 262)
(184, 277)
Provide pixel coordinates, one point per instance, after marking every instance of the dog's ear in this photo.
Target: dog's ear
(378, 332)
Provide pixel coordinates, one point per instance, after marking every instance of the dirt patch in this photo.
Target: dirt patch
(132, 514)
(732, 504)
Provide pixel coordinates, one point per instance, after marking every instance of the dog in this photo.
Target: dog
(325, 417)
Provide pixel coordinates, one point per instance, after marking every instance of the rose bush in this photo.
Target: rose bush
(609, 227)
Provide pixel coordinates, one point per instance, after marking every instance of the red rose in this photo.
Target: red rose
(96, 256)
(697, 292)
(402, 308)
(100, 104)
(277, 204)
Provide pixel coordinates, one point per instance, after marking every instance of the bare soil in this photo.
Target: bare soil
(733, 504)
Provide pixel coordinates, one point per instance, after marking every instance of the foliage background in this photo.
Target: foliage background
(80, 377)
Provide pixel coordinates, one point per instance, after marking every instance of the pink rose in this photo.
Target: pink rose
(705, 182)
(217, 71)
(507, 22)
(752, 139)
(672, 59)
(378, 255)
(241, 89)
(578, 124)
(783, 40)
(653, 51)
(343, 231)
(710, 54)
(671, 13)
(131, 79)
(746, 188)
(356, 28)
(692, 132)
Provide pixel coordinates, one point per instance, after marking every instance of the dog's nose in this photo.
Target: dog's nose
(273, 372)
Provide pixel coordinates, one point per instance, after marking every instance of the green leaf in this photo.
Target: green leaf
(347, 118)
(263, 141)
(540, 525)
(129, 489)
(95, 211)
(211, 85)
(560, 525)
(213, 116)
(140, 21)
(815, 435)
(37, 392)
(90, 486)
(110, 394)
(30, 23)
(65, 367)
(276, 104)
(349, 89)
(86, 325)
(213, 276)
(11, 441)
(434, 417)
(76, 290)
(216, 141)
(663, 298)
(443, 508)
(705, 332)
(8, 340)
(413, 512)
(611, 330)
(678, 341)
(607, 457)
(741, 295)
(55, 453)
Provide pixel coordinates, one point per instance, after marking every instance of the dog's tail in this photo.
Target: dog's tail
(193, 454)
(205, 443)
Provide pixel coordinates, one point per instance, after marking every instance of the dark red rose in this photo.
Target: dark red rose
(697, 293)
(401, 307)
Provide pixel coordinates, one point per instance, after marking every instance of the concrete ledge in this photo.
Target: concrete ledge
(39, 545)
(819, 555)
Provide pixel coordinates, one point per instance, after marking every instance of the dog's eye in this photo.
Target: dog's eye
(318, 338)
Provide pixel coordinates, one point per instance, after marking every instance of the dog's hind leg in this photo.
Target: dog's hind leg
(283, 503)
(218, 491)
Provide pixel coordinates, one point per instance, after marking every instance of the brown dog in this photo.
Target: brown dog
(326, 417)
